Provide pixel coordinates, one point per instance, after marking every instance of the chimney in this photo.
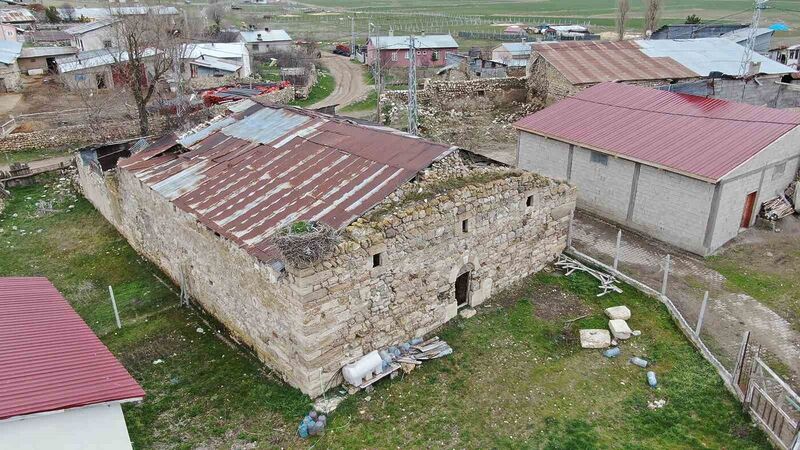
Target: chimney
(391, 32)
(258, 36)
(266, 29)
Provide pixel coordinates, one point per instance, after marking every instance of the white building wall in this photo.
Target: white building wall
(96, 427)
(94, 40)
(603, 189)
(544, 156)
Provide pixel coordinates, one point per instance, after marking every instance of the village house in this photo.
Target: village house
(61, 387)
(425, 230)
(260, 42)
(95, 35)
(687, 170)
(94, 69)
(515, 55)
(431, 50)
(560, 69)
(8, 32)
(786, 54)
(21, 18)
(9, 69)
(40, 60)
(216, 59)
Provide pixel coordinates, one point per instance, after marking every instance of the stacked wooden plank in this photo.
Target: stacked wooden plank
(777, 208)
(607, 282)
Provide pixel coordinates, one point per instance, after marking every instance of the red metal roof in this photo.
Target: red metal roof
(696, 136)
(249, 174)
(584, 62)
(49, 358)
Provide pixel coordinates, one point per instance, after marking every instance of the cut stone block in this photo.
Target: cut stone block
(620, 329)
(467, 313)
(618, 312)
(593, 338)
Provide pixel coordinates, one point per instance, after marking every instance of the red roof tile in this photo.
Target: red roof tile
(251, 173)
(696, 136)
(49, 358)
(584, 62)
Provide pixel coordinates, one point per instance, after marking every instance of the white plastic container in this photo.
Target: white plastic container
(367, 366)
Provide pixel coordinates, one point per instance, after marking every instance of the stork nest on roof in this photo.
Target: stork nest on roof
(305, 243)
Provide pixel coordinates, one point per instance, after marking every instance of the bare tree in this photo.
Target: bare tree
(68, 12)
(651, 15)
(150, 47)
(215, 12)
(623, 7)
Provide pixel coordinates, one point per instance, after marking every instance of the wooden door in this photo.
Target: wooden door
(747, 214)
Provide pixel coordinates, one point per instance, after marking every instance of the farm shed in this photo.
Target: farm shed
(426, 229)
(260, 42)
(60, 387)
(213, 58)
(38, 60)
(560, 69)
(431, 50)
(687, 170)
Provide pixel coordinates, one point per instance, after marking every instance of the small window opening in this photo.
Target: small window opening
(529, 201)
(779, 171)
(465, 226)
(599, 158)
(377, 260)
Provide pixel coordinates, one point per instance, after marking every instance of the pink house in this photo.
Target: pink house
(431, 50)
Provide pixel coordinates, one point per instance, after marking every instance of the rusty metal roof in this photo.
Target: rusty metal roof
(584, 62)
(18, 15)
(700, 137)
(248, 174)
(49, 358)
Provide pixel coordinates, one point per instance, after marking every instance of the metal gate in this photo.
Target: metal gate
(774, 404)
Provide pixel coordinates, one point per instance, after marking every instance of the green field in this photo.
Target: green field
(517, 377)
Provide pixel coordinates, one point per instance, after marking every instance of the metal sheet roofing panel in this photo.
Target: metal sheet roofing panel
(583, 62)
(696, 136)
(265, 36)
(49, 358)
(9, 51)
(707, 55)
(275, 165)
(16, 15)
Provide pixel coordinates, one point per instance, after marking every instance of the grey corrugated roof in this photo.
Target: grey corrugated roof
(89, 26)
(265, 36)
(742, 34)
(37, 52)
(427, 41)
(9, 51)
(707, 55)
(214, 63)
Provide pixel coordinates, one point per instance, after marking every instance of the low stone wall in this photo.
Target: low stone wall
(75, 135)
(447, 90)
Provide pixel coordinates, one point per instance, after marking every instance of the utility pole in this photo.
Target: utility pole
(352, 37)
(376, 74)
(412, 86)
(747, 57)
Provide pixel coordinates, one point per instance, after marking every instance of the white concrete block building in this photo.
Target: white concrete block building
(690, 171)
(60, 387)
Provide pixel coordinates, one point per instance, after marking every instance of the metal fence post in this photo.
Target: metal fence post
(114, 305)
(616, 252)
(666, 276)
(702, 313)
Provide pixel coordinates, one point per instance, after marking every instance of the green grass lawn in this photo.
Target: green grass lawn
(517, 378)
(269, 73)
(321, 89)
(368, 104)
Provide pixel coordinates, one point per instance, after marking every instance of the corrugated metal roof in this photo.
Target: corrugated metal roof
(221, 50)
(707, 55)
(99, 13)
(265, 36)
(9, 51)
(89, 26)
(48, 36)
(95, 58)
(49, 358)
(742, 34)
(41, 52)
(426, 41)
(214, 63)
(696, 136)
(18, 15)
(256, 171)
(583, 62)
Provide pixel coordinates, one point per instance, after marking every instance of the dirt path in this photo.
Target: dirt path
(728, 314)
(8, 102)
(350, 85)
(34, 165)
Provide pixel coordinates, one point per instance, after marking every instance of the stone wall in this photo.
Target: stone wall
(446, 90)
(306, 323)
(75, 135)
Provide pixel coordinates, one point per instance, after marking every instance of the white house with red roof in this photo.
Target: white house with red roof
(691, 171)
(60, 387)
